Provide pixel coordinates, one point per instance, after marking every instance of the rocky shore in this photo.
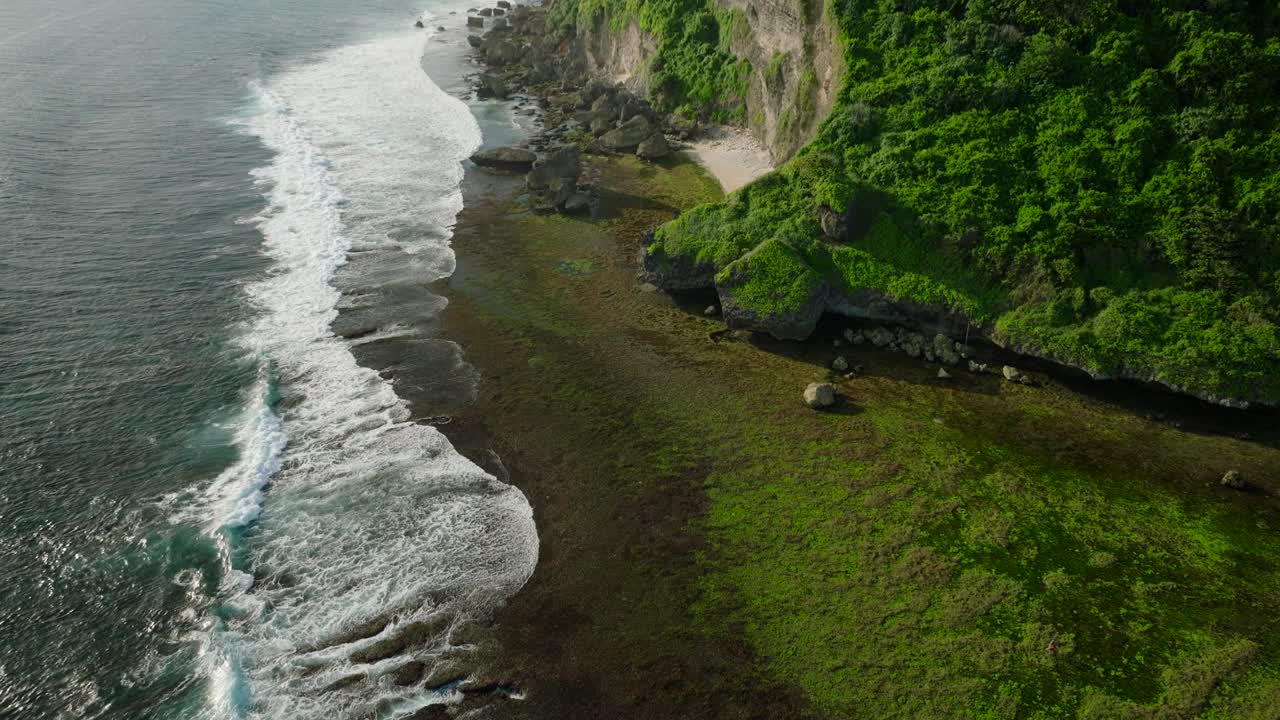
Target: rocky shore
(547, 75)
(713, 547)
(524, 62)
(707, 539)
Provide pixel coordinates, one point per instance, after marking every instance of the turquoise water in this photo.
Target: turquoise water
(207, 508)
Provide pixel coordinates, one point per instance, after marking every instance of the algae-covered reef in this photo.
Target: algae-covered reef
(1097, 183)
(926, 549)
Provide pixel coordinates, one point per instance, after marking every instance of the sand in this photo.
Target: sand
(731, 155)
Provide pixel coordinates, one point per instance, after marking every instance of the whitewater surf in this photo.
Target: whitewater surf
(356, 543)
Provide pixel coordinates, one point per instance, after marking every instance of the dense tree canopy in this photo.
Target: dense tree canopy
(1113, 167)
(1097, 180)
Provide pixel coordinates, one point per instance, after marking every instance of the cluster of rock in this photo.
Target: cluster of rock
(552, 180)
(522, 52)
(939, 349)
(522, 58)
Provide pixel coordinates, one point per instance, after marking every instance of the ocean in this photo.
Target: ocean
(208, 508)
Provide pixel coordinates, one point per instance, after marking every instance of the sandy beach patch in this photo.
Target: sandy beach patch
(731, 155)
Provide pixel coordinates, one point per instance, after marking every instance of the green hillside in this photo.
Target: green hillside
(1096, 181)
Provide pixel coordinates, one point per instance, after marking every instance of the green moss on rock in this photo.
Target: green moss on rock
(772, 289)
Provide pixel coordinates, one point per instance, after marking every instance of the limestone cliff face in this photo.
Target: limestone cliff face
(792, 47)
(794, 51)
(622, 57)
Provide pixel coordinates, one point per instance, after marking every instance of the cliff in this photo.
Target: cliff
(1097, 184)
(772, 66)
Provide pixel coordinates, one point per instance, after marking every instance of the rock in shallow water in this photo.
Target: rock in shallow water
(505, 158)
(840, 364)
(654, 147)
(820, 395)
(577, 203)
(1233, 479)
(554, 179)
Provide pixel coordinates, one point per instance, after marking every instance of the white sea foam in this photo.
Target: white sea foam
(370, 522)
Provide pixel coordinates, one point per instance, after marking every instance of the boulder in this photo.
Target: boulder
(601, 123)
(500, 49)
(840, 364)
(913, 344)
(880, 337)
(595, 90)
(491, 85)
(628, 135)
(820, 395)
(976, 367)
(475, 22)
(554, 179)
(604, 102)
(943, 374)
(711, 311)
(499, 24)
(505, 158)
(486, 12)
(1233, 479)
(419, 24)
(1013, 374)
(503, 4)
(654, 147)
(945, 350)
(497, 12)
(631, 106)
(440, 28)
(577, 203)
(475, 41)
(833, 224)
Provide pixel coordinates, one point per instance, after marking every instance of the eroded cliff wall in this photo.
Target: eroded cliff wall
(788, 52)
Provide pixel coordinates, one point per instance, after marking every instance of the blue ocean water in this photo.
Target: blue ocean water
(207, 507)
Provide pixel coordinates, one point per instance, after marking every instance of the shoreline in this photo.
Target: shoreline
(613, 409)
(649, 442)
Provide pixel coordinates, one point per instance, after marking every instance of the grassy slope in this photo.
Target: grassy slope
(1099, 179)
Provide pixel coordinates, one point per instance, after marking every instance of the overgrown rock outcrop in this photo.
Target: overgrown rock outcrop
(554, 179)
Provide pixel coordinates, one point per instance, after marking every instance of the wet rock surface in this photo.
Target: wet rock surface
(506, 158)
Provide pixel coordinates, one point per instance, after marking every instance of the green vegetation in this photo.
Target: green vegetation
(772, 280)
(912, 554)
(694, 72)
(1097, 180)
(902, 567)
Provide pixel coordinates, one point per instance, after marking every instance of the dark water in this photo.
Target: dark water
(206, 507)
